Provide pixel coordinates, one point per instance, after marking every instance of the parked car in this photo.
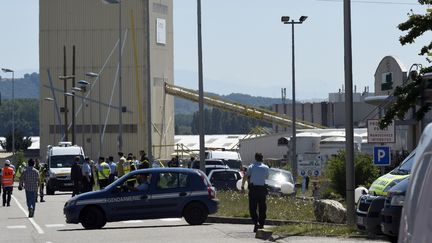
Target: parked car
(224, 179)
(234, 164)
(391, 213)
(276, 178)
(196, 164)
(369, 206)
(146, 194)
(210, 168)
(416, 218)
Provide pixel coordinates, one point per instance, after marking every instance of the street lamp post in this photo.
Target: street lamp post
(120, 129)
(83, 88)
(201, 126)
(94, 76)
(285, 20)
(7, 70)
(64, 78)
(72, 94)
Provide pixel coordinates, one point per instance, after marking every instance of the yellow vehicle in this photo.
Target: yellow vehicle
(369, 206)
(381, 185)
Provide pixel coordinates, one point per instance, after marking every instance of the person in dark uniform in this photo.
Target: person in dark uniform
(144, 160)
(256, 175)
(76, 176)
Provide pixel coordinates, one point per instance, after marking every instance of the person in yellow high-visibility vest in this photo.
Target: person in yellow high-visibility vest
(103, 172)
(129, 166)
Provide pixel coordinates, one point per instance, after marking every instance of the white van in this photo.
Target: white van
(230, 158)
(60, 160)
(217, 154)
(416, 218)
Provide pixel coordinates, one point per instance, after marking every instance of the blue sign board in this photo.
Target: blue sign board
(381, 155)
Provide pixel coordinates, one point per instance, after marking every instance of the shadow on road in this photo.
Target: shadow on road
(134, 227)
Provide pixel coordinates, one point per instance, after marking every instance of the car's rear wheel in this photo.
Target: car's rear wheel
(195, 213)
(92, 218)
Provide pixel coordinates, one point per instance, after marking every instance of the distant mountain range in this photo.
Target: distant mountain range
(28, 87)
(183, 106)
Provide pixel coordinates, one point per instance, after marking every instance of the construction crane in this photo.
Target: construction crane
(245, 110)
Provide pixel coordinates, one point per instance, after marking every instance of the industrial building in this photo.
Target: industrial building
(81, 36)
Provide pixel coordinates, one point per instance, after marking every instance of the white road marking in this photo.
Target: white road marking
(54, 225)
(35, 225)
(133, 222)
(16, 227)
(171, 219)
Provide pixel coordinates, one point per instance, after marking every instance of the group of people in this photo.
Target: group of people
(29, 180)
(104, 171)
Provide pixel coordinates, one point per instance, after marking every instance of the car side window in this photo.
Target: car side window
(172, 180)
(137, 182)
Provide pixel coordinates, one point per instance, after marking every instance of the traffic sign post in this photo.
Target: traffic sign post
(381, 156)
(378, 135)
(309, 164)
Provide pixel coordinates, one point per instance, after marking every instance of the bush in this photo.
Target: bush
(365, 171)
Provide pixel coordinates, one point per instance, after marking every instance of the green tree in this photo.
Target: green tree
(408, 95)
(365, 171)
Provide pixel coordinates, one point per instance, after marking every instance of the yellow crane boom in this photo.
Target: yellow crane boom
(245, 110)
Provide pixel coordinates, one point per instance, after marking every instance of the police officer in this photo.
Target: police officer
(256, 175)
(113, 169)
(87, 176)
(129, 166)
(76, 176)
(103, 172)
(43, 171)
(144, 160)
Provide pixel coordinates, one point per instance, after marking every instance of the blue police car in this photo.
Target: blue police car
(146, 194)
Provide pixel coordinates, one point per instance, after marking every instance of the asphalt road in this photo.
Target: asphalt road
(48, 226)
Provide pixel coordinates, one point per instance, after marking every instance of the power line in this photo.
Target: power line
(372, 2)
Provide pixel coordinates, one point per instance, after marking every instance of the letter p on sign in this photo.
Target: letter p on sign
(382, 156)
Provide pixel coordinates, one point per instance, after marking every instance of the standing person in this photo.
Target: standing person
(256, 175)
(144, 160)
(86, 176)
(76, 176)
(174, 162)
(191, 162)
(42, 176)
(120, 167)
(103, 172)
(37, 166)
(7, 179)
(30, 181)
(113, 169)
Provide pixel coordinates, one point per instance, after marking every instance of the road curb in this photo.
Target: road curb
(238, 220)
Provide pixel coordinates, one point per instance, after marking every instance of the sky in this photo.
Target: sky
(246, 49)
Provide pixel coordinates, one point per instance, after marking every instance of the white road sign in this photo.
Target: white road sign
(378, 135)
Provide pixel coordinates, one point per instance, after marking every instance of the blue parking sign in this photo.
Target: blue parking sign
(381, 155)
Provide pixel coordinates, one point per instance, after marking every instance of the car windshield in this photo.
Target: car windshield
(234, 164)
(280, 176)
(214, 162)
(63, 161)
(405, 167)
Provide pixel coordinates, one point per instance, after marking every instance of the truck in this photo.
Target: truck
(60, 159)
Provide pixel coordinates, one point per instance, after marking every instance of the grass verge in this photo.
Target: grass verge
(235, 204)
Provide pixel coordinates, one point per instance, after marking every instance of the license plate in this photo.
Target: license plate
(68, 184)
(360, 220)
